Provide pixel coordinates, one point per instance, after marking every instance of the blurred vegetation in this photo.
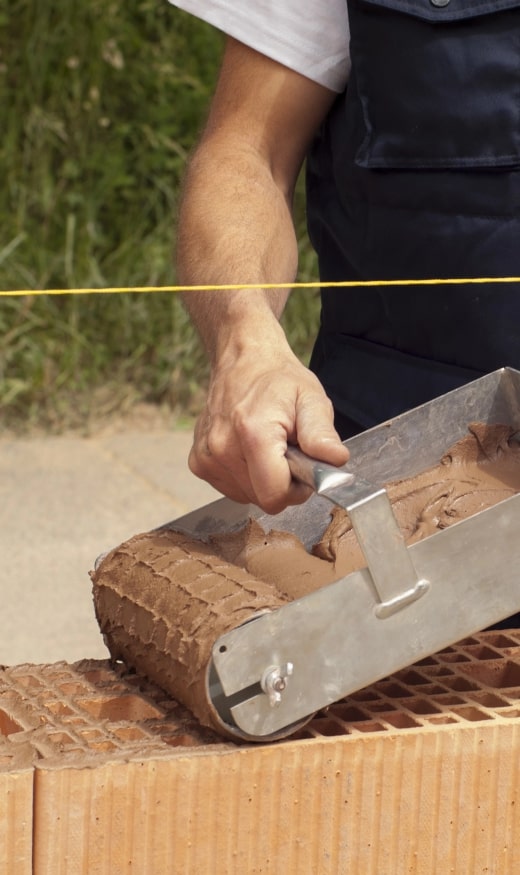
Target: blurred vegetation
(101, 103)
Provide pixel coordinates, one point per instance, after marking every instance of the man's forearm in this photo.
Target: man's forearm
(235, 226)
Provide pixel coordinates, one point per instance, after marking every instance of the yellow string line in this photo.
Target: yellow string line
(18, 293)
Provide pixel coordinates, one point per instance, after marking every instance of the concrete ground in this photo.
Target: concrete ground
(63, 501)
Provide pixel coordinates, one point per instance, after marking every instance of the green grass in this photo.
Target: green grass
(102, 103)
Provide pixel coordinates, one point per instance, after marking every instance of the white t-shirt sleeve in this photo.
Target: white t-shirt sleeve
(309, 36)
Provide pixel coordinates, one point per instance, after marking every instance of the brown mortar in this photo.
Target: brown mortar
(162, 600)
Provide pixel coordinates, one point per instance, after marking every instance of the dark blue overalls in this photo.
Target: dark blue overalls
(415, 174)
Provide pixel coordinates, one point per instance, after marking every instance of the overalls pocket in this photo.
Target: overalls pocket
(438, 82)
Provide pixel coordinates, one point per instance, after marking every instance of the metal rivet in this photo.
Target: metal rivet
(440, 2)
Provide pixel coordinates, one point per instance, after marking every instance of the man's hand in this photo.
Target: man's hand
(256, 405)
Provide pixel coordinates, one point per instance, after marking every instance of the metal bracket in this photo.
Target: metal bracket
(388, 560)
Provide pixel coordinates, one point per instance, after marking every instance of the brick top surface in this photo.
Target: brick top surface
(92, 711)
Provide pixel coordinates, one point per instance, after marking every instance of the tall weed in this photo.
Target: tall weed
(101, 105)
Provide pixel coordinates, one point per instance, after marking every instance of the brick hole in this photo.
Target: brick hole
(112, 688)
(439, 671)
(28, 681)
(74, 720)
(481, 651)
(367, 695)
(432, 690)
(348, 713)
(427, 661)
(455, 657)
(412, 678)
(500, 674)
(369, 726)
(399, 720)
(191, 741)
(513, 652)
(488, 700)
(99, 675)
(165, 727)
(376, 707)
(182, 727)
(446, 650)
(498, 639)
(471, 640)
(8, 726)
(129, 733)
(139, 685)
(514, 712)
(442, 720)
(128, 708)
(166, 705)
(449, 699)
(58, 708)
(73, 688)
(302, 734)
(421, 706)
(90, 734)
(308, 731)
(324, 712)
(459, 684)
(329, 727)
(394, 690)
(472, 714)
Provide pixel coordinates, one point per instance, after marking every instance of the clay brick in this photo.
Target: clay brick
(417, 774)
(16, 784)
(428, 801)
(16, 812)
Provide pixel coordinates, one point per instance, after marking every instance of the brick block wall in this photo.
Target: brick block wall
(101, 774)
